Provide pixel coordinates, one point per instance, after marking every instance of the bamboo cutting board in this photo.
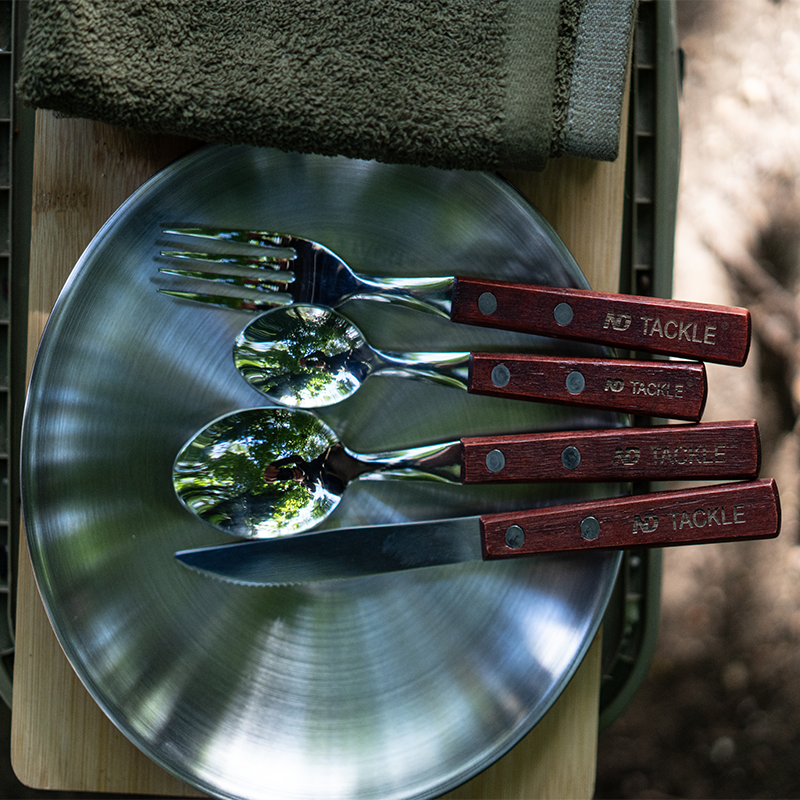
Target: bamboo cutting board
(61, 740)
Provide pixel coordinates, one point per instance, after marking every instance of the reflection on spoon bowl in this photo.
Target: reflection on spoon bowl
(254, 474)
(308, 356)
(266, 472)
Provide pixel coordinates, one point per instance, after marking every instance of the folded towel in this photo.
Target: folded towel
(469, 84)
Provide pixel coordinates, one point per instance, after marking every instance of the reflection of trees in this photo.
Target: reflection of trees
(258, 472)
(286, 469)
(299, 347)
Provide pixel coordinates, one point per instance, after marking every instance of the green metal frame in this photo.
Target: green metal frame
(630, 627)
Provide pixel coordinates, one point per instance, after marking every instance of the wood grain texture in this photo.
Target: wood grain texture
(670, 327)
(709, 450)
(731, 512)
(668, 389)
(556, 760)
(576, 196)
(61, 740)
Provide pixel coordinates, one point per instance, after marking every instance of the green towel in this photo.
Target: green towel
(469, 84)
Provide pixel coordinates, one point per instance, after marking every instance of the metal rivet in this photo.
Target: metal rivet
(563, 314)
(515, 537)
(590, 528)
(500, 375)
(570, 457)
(495, 461)
(575, 383)
(487, 303)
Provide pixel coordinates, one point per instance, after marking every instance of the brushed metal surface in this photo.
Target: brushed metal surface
(341, 553)
(401, 686)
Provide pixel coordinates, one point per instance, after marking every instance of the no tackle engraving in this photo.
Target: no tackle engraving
(682, 455)
(672, 391)
(703, 517)
(657, 389)
(618, 322)
(656, 327)
(686, 331)
(627, 456)
(708, 517)
(645, 523)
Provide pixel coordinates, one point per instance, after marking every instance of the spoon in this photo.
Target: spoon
(266, 472)
(307, 356)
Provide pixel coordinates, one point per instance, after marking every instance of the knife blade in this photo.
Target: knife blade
(728, 512)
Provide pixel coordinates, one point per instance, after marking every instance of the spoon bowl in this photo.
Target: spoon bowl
(256, 474)
(303, 356)
(308, 356)
(266, 472)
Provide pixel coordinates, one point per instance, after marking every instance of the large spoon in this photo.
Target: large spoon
(307, 356)
(266, 472)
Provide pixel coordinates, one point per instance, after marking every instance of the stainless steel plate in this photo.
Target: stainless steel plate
(395, 687)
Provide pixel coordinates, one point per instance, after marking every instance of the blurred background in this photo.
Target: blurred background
(718, 714)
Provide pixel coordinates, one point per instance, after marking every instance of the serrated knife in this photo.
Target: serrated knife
(728, 512)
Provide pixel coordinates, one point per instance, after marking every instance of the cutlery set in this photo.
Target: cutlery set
(270, 473)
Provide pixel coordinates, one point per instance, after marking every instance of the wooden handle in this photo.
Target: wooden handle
(691, 516)
(673, 390)
(710, 450)
(672, 327)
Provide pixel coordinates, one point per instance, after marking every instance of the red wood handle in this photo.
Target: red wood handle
(672, 327)
(691, 516)
(669, 389)
(710, 450)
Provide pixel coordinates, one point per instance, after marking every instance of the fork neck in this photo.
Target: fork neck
(431, 295)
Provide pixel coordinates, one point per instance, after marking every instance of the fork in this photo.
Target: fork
(283, 269)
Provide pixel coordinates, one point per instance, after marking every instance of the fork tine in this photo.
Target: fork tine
(257, 262)
(261, 283)
(258, 238)
(229, 301)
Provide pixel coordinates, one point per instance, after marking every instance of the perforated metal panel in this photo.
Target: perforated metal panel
(16, 172)
(6, 104)
(630, 626)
